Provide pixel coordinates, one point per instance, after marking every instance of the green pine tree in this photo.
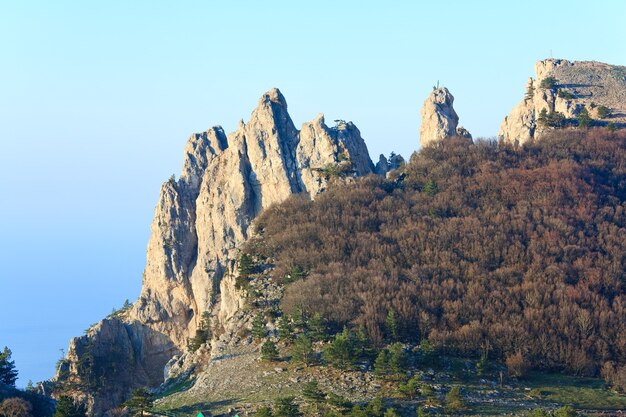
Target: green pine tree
(302, 351)
(285, 332)
(269, 351)
(358, 411)
(551, 119)
(340, 352)
(381, 364)
(317, 327)
(453, 400)
(410, 389)
(430, 188)
(296, 273)
(428, 392)
(67, 407)
(397, 358)
(299, 319)
(481, 365)
(548, 83)
(140, 401)
(603, 112)
(245, 265)
(312, 392)
(258, 326)
(342, 403)
(203, 333)
(286, 407)
(375, 408)
(584, 119)
(543, 117)
(427, 353)
(391, 323)
(8, 373)
(362, 341)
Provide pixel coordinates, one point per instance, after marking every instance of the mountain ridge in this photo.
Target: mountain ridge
(199, 223)
(202, 219)
(567, 88)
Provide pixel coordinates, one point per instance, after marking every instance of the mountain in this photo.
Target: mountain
(486, 266)
(200, 222)
(564, 90)
(453, 252)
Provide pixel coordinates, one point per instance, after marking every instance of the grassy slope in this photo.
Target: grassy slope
(226, 387)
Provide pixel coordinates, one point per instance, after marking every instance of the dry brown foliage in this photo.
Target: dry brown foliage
(519, 249)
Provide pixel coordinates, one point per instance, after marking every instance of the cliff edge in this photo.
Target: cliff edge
(199, 223)
(564, 94)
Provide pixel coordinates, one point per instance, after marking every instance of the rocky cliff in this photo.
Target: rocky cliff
(199, 223)
(439, 120)
(565, 89)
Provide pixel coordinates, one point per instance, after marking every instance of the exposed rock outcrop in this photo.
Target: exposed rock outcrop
(463, 133)
(439, 120)
(200, 222)
(386, 166)
(113, 355)
(382, 166)
(574, 86)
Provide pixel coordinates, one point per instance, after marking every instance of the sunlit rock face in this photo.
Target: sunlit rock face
(200, 221)
(577, 86)
(439, 120)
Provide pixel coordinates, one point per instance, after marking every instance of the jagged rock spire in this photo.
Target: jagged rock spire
(439, 120)
(199, 223)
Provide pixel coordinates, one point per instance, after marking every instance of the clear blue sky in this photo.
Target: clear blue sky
(98, 98)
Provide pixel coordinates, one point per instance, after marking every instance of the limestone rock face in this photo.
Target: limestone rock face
(232, 299)
(268, 160)
(111, 356)
(166, 299)
(544, 68)
(200, 222)
(320, 145)
(568, 107)
(439, 120)
(382, 166)
(521, 125)
(202, 219)
(578, 85)
(386, 166)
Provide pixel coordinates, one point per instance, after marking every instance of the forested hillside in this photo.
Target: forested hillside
(482, 249)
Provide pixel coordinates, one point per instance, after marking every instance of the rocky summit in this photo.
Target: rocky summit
(439, 120)
(199, 223)
(564, 90)
(192, 279)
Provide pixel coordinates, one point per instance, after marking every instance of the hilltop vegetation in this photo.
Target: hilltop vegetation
(515, 254)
